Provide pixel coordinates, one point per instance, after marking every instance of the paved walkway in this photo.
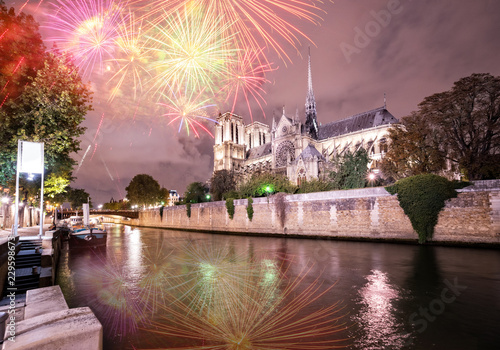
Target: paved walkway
(32, 231)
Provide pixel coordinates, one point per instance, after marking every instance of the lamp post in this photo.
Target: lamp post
(371, 178)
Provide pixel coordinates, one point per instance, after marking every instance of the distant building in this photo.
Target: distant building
(300, 150)
(172, 198)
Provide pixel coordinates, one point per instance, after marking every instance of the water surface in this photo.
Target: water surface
(153, 288)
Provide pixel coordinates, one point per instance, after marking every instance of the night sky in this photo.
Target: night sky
(423, 47)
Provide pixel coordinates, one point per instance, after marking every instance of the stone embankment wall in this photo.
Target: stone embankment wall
(370, 213)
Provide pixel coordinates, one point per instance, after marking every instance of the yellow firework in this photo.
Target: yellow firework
(131, 57)
(191, 51)
(255, 22)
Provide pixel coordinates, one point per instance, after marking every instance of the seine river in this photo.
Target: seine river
(158, 289)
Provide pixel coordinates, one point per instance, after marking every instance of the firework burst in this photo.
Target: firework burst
(250, 21)
(87, 29)
(131, 57)
(191, 50)
(189, 110)
(246, 79)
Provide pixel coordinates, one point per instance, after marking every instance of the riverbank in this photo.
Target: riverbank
(473, 218)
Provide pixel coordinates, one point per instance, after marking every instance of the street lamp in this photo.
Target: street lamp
(371, 178)
(208, 197)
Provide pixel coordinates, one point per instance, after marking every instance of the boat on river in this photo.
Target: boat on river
(88, 237)
(91, 234)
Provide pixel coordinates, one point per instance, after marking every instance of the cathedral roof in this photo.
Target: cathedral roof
(357, 122)
(261, 151)
(310, 152)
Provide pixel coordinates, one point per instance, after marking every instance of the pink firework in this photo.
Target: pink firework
(87, 29)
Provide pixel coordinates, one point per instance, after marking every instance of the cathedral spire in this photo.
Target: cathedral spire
(311, 124)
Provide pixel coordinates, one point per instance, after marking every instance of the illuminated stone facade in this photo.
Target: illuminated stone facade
(300, 150)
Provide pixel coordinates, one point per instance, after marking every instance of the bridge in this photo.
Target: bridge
(131, 214)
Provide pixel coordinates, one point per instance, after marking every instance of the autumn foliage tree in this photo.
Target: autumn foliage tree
(43, 98)
(458, 130)
(415, 149)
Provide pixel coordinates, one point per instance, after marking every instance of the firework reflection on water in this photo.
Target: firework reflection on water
(224, 301)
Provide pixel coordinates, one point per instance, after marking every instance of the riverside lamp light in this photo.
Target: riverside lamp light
(29, 160)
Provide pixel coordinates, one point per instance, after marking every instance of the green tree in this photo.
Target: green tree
(44, 99)
(351, 170)
(77, 196)
(263, 184)
(315, 185)
(196, 192)
(55, 186)
(467, 121)
(163, 197)
(222, 181)
(143, 190)
(415, 148)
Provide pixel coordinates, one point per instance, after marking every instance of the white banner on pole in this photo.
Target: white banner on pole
(31, 157)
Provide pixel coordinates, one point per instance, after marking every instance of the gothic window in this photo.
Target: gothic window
(237, 136)
(301, 177)
(285, 149)
(263, 138)
(284, 129)
(249, 140)
(222, 132)
(232, 132)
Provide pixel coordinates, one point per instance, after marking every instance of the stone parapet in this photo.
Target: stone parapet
(49, 324)
(369, 213)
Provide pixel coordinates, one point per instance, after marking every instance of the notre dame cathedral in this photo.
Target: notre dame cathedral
(300, 150)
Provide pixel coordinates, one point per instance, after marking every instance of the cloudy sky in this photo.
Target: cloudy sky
(361, 50)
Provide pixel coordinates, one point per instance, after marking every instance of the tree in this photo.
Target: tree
(222, 181)
(466, 120)
(77, 196)
(44, 99)
(143, 190)
(415, 148)
(315, 185)
(351, 170)
(55, 186)
(263, 184)
(196, 192)
(164, 195)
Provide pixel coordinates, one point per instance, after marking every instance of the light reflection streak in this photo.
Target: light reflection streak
(376, 317)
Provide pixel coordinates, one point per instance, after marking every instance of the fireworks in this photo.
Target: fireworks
(255, 23)
(186, 54)
(131, 57)
(246, 79)
(191, 50)
(87, 29)
(188, 110)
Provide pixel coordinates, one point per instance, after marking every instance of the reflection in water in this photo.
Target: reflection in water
(203, 294)
(381, 329)
(232, 292)
(256, 310)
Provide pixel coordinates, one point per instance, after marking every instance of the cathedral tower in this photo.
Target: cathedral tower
(311, 125)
